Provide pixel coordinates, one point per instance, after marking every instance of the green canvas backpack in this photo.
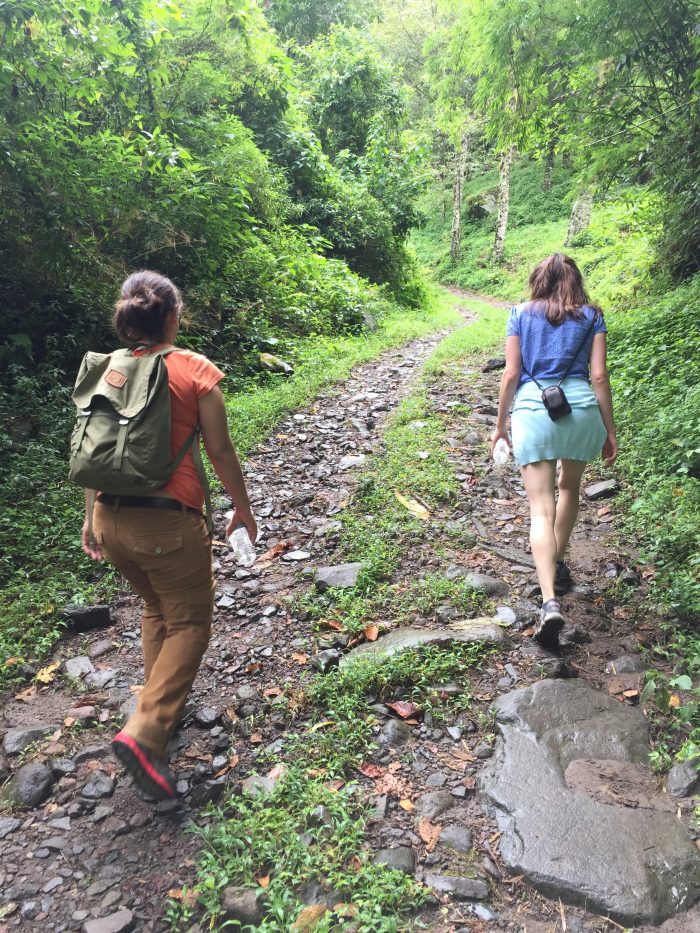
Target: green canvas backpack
(121, 439)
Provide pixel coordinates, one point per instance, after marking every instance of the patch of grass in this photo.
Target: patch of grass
(309, 830)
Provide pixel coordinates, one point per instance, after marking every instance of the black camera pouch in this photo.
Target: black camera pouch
(555, 402)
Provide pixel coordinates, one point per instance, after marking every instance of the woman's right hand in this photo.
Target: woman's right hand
(499, 433)
(610, 449)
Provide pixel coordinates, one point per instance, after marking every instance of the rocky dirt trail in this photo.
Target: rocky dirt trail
(549, 804)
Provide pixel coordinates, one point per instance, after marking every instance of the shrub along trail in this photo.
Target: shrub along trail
(389, 470)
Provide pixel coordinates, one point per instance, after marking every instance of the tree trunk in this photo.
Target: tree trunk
(580, 215)
(548, 166)
(503, 203)
(457, 198)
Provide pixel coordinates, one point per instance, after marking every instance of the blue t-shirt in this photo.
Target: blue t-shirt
(547, 349)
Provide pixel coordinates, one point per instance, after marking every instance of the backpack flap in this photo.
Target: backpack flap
(124, 381)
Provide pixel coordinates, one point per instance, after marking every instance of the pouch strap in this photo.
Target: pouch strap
(82, 425)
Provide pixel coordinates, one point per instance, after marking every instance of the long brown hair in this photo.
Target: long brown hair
(557, 284)
(147, 299)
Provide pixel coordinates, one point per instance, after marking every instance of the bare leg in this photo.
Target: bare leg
(567, 507)
(539, 484)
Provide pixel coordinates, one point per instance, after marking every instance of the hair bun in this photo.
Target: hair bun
(147, 298)
(142, 300)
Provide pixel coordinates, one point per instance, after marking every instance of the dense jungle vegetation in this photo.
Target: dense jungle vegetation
(286, 162)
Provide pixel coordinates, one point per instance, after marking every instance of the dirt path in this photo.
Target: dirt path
(94, 848)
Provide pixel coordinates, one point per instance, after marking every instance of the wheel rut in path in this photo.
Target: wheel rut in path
(91, 846)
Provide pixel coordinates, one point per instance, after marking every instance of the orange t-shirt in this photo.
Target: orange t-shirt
(190, 376)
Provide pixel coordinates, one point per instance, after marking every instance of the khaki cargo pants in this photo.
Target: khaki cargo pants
(166, 557)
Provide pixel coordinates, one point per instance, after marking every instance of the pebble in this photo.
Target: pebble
(454, 732)
(79, 666)
(401, 859)
(100, 648)
(439, 779)
(98, 786)
(483, 751)
(206, 717)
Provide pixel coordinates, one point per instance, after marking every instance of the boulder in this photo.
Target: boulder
(573, 840)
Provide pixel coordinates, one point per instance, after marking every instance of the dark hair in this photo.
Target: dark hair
(147, 299)
(557, 284)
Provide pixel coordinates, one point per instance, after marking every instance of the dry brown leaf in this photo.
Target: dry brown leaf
(371, 771)
(407, 805)
(674, 701)
(429, 833)
(69, 721)
(355, 863)
(394, 767)
(232, 714)
(188, 896)
(393, 785)
(334, 786)
(529, 632)
(371, 632)
(332, 624)
(345, 911)
(26, 695)
(10, 661)
(299, 658)
(272, 692)
(277, 772)
(403, 708)
(256, 738)
(463, 754)
(275, 551)
(308, 919)
(264, 881)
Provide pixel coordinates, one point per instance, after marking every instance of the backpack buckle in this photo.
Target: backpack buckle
(123, 421)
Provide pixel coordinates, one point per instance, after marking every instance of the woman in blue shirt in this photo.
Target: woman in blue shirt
(551, 340)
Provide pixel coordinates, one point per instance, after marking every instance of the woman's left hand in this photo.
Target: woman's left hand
(497, 435)
(90, 546)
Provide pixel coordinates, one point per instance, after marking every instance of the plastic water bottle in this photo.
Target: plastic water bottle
(501, 452)
(242, 546)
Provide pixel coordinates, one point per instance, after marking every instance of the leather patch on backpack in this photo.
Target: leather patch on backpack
(115, 379)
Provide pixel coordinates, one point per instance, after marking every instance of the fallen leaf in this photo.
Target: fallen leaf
(345, 911)
(332, 624)
(317, 772)
(469, 783)
(322, 725)
(277, 772)
(414, 507)
(264, 882)
(299, 657)
(10, 661)
(403, 708)
(188, 896)
(371, 632)
(256, 738)
(69, 721)
(371, 771)
(271, 692)
(529, 632)
(394, 767)
(463, 754)
(195, 754)
(334, 786)
(429, 833)
(407, 805)
(355, 863)
(275, 551)
(674, 701)
(232, 715)
(47, 674)
(27, 694)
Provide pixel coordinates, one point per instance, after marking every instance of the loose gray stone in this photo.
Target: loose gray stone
(455, 733)
(602, 490)
(78, 667)
(242, 905)
(206, 717)
(436, 780)
(464, 889)
(576, 635)
(256, 785)
(5, 769)
(62, 767)
(100, 679)
(348, 462)
(292, 556)
(100, 648)
(637, 865)
(683, 779)
(483, 913)
(326, 660)
(120, 922)
(408, 639)
(434, 803)
(627, 664)
(483, 751)
(16, 740)
(394, 732)
(492, 586)
(100, 785)
(246, 692)
(506, 616)
(456, 837)
(207, 792)
(92, 752)
(8, 824)
(340, 576)
(31, 785)
(401, 859)
(84, 618)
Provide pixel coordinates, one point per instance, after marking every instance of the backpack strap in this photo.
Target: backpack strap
(90, 499)
(573, 358)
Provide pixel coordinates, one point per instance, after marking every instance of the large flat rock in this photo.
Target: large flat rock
(409, 639)
(606, 851)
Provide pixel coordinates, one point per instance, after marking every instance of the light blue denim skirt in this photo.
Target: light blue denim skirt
(578, 436)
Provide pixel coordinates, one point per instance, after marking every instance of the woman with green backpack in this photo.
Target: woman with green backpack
(140, 414)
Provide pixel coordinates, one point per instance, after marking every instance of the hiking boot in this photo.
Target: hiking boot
(151, 775)
(550, 624)
(562, 578)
